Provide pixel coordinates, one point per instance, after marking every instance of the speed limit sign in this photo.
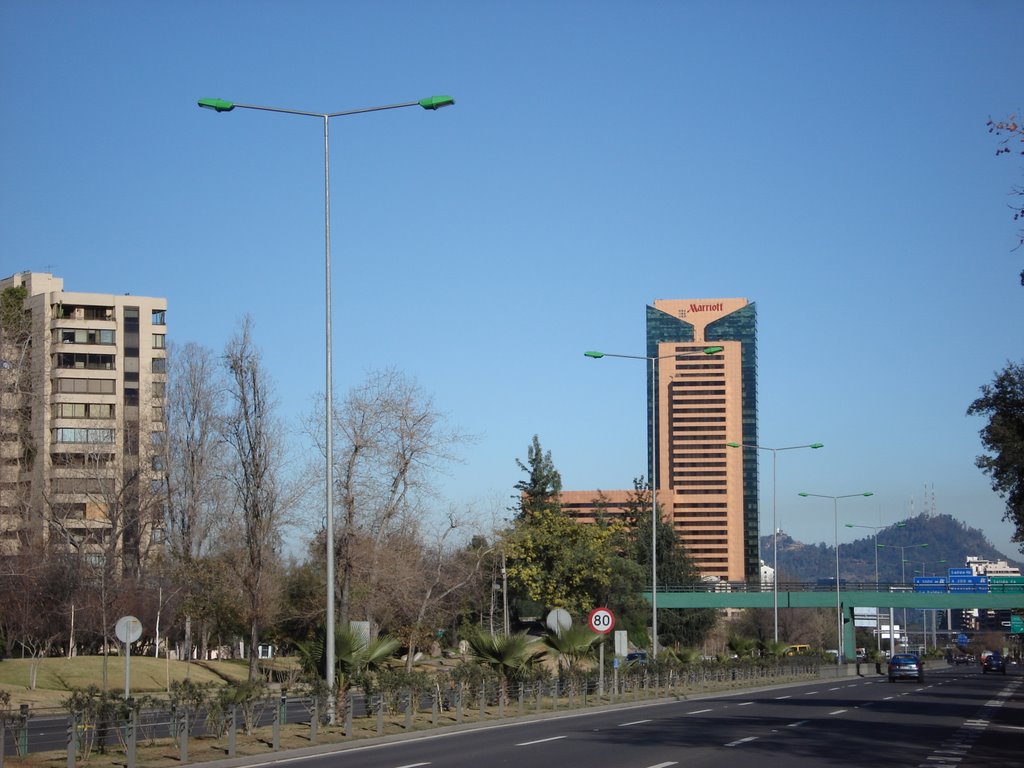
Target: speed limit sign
(601, 620)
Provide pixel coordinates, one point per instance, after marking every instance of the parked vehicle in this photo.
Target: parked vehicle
(906, 665)
(993, 662)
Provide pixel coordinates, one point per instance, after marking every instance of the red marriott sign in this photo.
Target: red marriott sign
(716, 307)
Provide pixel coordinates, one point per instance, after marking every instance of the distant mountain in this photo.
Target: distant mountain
(948, 541)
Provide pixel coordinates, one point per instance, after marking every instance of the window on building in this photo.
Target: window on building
(159, 317)
(159, 389)
(159, 341)
(159, 365)
(84, 386)
(84, 410)
(84, 361)
(82, 435)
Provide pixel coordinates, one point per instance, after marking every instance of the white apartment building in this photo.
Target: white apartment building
(82, 421)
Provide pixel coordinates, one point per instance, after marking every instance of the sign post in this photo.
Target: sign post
(128, 629)
(601, 621)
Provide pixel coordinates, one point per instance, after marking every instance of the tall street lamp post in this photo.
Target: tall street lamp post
(652, 360)
(903, 574)
(431, 103)
(775, 528)
(875, 529)
(835, 520)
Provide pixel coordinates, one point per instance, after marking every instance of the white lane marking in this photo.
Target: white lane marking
(412, 765)
(835, 689)
(634, 722)
(538, 741)
(740, 741)
(798, 723)
(698, 711)
(744, 704)
(662, 765)
(837, 712)
(780, 698)
(811, 693)
(887, 698)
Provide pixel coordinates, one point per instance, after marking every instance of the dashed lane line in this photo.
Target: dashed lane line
(539, 741)
(741, 741)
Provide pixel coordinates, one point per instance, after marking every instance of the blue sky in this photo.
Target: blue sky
(828, 161)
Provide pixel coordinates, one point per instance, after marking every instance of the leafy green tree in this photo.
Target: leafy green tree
(552, 560)
(556, 562)
(542, 488)
(1002, 402)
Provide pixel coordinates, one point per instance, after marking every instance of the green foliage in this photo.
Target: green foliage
(355, 659)
(744, 647)
(572, 645)
(543, 487)
(773, 650)
(510, 657)
(98, 713)
(682, 628)
(1002, 402)
(555, 561)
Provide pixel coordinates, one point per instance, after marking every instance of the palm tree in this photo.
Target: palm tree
(774, 650)
(571, 645)
(743, 647)
(353, 655)
(508, 655)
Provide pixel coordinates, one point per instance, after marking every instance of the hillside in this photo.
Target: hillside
(947, 538)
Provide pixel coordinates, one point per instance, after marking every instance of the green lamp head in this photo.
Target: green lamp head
(595, 355)
(436, 102)
(218, 105)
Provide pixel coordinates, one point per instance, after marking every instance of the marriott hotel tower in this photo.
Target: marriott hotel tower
(706, 490)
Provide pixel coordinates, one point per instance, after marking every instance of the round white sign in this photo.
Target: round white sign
(601, 620)
(559, 620)
(128, 629)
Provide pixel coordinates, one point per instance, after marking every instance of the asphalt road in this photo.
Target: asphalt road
(957, 717)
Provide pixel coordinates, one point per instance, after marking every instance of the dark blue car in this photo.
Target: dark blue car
(993, 662)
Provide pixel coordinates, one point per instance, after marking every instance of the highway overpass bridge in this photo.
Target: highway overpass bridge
(742, 595)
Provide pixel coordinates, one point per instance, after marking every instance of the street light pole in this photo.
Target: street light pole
(903, 576)
(841, 649)
(221, 105)
(652, 360)
(875, 529)
(775, 527)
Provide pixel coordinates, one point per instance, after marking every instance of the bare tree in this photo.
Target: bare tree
(195, 495)
(17, 446)
(393, 442)
(424, 581)
(253, 435)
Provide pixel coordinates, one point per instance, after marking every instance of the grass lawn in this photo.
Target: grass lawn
(57, 676)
